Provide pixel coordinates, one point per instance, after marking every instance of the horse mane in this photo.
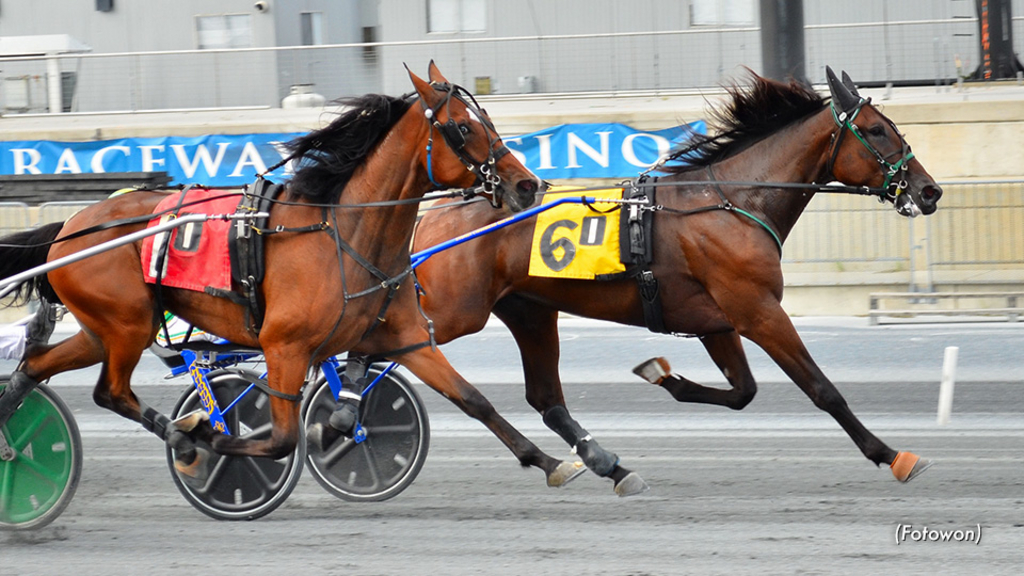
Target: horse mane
(328, 157)
(754, 112)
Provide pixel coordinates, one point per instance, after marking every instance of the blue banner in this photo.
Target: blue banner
(561, 152)
(596, 150)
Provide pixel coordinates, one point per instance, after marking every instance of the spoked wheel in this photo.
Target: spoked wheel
(388, 458)
(238, 488)
(40, 472)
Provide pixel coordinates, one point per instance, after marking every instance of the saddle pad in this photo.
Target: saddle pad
(198, 252)
(575, 240)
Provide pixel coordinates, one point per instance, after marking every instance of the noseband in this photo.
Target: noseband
(890, 170)
(486, 171)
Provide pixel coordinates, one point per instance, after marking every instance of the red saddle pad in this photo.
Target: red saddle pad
(197, 256)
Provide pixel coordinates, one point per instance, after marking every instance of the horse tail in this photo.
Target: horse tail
(23, 251)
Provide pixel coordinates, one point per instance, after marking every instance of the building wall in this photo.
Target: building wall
(697, 56)
(335, 73)
(191, 80)
(132, 26)
(657, 48)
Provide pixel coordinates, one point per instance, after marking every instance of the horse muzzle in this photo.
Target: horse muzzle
(923, 202)
(906, 206)
(522, 195)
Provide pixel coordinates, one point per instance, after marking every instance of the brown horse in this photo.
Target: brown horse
(337, 273)
(718, 269)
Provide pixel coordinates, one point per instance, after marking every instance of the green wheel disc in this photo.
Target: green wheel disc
(39, 482)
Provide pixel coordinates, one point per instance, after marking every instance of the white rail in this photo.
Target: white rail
(12, 282)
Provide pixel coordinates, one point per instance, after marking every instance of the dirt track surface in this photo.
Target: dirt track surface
(775, 489)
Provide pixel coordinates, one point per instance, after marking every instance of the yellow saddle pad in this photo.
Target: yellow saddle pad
(576, 240)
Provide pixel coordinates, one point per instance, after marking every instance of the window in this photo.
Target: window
(312, 28)
(449, 16)
(722, 12)
(224, 31)
(369, 36)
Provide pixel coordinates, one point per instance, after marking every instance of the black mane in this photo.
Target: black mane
(327, 157)
(755, 111)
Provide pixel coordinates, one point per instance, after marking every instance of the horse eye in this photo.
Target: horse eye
(464, 128)
(876, 130)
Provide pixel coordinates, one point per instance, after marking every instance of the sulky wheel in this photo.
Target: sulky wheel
(238, 488)
(384, 462)
(41, 464)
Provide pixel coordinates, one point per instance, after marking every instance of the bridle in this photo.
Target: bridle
(452, 134)
(844, 121)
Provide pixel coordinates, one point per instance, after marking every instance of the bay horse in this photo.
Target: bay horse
(718, 270)
(337, 272)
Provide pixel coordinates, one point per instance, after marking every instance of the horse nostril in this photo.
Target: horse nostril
(931, 193)
(528, 186)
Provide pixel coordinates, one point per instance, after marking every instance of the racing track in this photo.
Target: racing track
(775, 489)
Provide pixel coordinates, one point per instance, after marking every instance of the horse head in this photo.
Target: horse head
(473, 153)
(877, 156)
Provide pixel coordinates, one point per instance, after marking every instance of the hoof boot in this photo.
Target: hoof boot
(188, 422)
(196, 472)
(654, 370)
(631, 485)
(908, 466)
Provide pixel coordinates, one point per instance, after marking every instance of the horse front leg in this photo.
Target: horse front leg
(535, 329)
(726, 350)
(432, 368)
(286, 374)
(771, 329)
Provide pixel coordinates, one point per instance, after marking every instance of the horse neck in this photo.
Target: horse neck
(392, 171)
(796, 154)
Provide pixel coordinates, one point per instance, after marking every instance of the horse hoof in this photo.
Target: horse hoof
(195, 472)
(907, 466)
(565, 473)
(321, 437)
(631, 485)
(654, 370)
(188, 422)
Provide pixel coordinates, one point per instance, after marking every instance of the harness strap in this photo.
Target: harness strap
(397, 351)
(161, 258)
(650, 301)
(348, 249)
(727, 205)
(639, 227)
(270, 391)
(247, 249)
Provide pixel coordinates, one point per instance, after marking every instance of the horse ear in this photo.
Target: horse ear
(435, 75)
(840, 93)
(422, 87)
(848, 82)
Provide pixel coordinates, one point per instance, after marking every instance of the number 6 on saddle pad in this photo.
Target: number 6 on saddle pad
(578, 241)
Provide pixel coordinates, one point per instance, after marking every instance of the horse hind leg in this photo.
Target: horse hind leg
(726, 350)
(42, 360)
(113, 392)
